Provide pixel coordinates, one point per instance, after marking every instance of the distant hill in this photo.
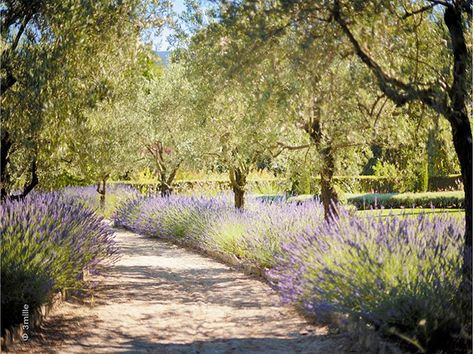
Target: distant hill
(165, 57)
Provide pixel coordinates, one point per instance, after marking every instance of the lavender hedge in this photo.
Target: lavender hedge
(213, 223)
(398, 274)
(47, 240)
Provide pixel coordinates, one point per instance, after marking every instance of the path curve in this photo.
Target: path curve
(161, 298)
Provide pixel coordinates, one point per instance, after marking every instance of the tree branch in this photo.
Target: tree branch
(420, 10)
(398, 91)
(20, 32)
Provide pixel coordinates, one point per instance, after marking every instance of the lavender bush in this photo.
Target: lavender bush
(398, 274)
(213, 223)
(173, 217)
(47, 240)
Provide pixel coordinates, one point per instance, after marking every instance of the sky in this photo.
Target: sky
(159, 42)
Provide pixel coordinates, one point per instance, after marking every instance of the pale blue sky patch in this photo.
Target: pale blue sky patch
(159, 41)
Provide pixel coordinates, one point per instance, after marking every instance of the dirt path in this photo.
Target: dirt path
(160, 298)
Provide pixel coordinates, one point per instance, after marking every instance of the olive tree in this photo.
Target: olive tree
(59, 59)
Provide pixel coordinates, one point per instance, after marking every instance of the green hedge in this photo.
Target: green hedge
(445, 200)
(377, 184)
(353, 184)
(444, 183)
(346, 184)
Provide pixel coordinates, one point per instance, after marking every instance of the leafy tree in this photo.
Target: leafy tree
(428, 63)
(416, 51)
(59, 58)
(168, 134)
(239, 125)
(105, 146)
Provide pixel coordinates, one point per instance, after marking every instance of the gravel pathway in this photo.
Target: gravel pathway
(161, 298)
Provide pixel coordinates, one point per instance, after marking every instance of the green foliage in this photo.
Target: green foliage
(409, 200)
(228, 237)
(423, 178)
(441, 183)
(87, 196)
(58, 83)
(383, 169)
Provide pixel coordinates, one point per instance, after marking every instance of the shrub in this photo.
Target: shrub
(399, 275)
(409, 200)
(423, 178)
(445, 183)
(47, 240)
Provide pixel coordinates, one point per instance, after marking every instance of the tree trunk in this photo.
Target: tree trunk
(239, 199)
(27, 188)
(102, 196)
(328, 193)
(166, 183)
(102, 192)
(165, 190)
(164, 187)
(4, 149)
(462, 139)
(238, 180)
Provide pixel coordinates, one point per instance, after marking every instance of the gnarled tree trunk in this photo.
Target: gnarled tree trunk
(238, 179)
(166, 182)
(328, 193)
(329, 196)
(164, 187)
(462, 139)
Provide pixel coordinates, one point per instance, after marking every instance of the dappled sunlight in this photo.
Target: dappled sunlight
(162, 298)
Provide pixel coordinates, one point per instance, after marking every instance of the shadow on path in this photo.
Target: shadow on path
(160, 298)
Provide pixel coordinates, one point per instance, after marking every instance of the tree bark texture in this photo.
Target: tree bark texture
(238, 180)
(328, 193)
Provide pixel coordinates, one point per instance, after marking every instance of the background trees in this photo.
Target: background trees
(170, 133)
(59, 59)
